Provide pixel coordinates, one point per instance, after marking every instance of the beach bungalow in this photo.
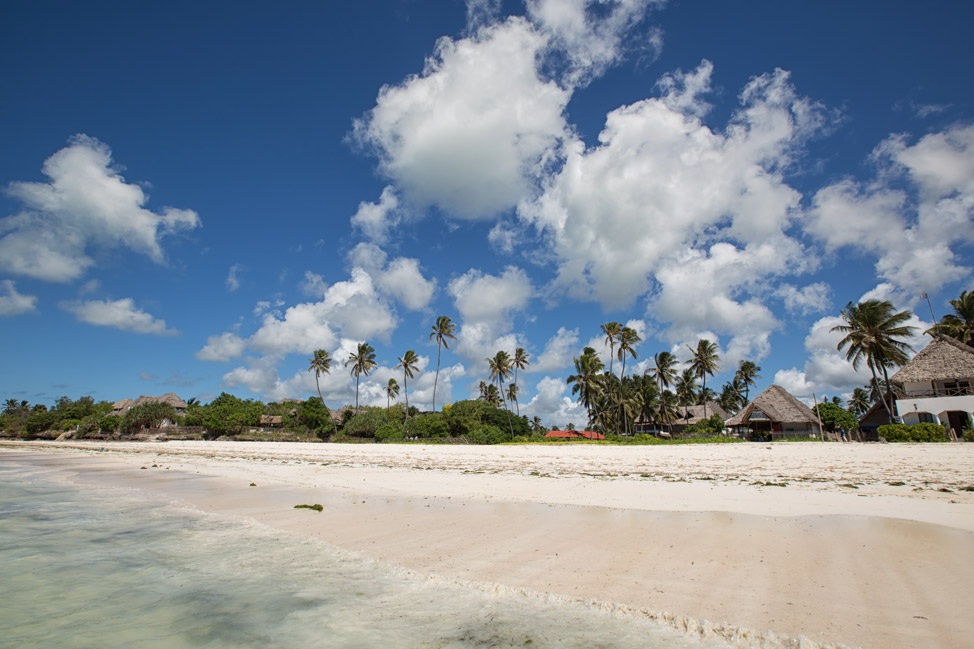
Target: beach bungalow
(687, 416)
(936, 385)
(775, 413)
(121, 407)
(574, 434)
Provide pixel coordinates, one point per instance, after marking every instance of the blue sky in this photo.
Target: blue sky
(198, 195)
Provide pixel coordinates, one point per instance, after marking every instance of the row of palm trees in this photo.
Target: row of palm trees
(362, 362)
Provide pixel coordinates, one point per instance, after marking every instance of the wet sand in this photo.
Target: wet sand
(815, 540)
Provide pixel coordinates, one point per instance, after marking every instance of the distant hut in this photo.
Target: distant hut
(695, 414)
(574, 434)
(121, 407)
(775, 413)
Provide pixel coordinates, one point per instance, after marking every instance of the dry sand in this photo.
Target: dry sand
(865, 545)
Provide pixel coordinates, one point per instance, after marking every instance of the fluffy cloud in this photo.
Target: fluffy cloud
(487, 304)
(85, 204)
(223, 347)
(665, 204)
(470, 133)
(558, 352)
(401, 279)
(913, 216)
(553, 406)
(376, 219)
(120, 314)
(14, 303)
(233, 282)
(808, 299)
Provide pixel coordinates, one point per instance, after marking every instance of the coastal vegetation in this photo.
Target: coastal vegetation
(622, 406)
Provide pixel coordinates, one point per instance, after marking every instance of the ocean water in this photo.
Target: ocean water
(84, 567)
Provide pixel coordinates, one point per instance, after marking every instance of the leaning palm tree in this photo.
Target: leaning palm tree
(704, 362)
(392, 391)
(362, 362)
(320, 364)
(500, 371)
(408, 363)
(960, 323)
(872, 333)
(612, 331)
(442, 331)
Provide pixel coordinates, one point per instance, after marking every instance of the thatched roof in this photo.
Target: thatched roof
(779, 405)
(120, 407)
(696, 413)
(944, 358)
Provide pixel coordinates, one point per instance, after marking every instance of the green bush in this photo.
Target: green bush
(706, 427)
(389, 431)
(314, 416)
(428, 426)
(146, 415)
(109, 423)
(918, 433)
(364, 424)
(489, 435)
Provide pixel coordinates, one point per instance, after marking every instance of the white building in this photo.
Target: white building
(936, 385)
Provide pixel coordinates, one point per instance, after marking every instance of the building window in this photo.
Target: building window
(926, 418)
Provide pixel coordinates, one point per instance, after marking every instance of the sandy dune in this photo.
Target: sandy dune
(866, 545)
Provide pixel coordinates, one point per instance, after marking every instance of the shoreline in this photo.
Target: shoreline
(683, 530)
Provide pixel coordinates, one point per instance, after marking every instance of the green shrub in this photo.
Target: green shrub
(489, 435)
(314, 416)
(918, 433)
(389, 431)
(364, 424)
(428, 426)
(109, 423)
(146, 415)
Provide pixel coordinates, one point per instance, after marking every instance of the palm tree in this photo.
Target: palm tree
(960, 323)
(664, 373)
(512, 391)
(320, 364)
(628, 339)
(362, 362)
(587, 381)
(705, 362)
(612, 331)
(500, 371)
(747, 372)
(858, 403)
(490, 394)
(686, 388)
(392, 391)
(872, 333)
(442, 331)
(408, 363)
(521, 360)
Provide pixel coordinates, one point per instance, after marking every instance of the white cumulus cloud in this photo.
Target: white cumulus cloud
(85, 204)
(14, 303)
(120, 314)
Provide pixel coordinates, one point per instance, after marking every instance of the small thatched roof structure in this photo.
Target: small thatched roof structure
(123, 406)
(694, 414)
(779, 406)
(573, 434)
(945, 358)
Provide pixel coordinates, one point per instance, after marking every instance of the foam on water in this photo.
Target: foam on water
(115, 568)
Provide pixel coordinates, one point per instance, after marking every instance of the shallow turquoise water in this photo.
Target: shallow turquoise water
(99, 567)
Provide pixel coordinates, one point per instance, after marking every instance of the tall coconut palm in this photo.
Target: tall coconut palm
(362, 362)
(512, 392)
(520, 360)
(873, 330)
(587, 380)
(320, 364)
(500, 371)
(747, 371)
(442, 332)
(392, 391)
(705, 362)
(960, 323)
(408, 362)
(628, 339)
(664, 373)
(686, 388)
(612, 331)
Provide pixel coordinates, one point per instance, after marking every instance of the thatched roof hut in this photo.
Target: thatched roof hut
(945, 358)
(123, 406)
(777, 413)
(695, 414)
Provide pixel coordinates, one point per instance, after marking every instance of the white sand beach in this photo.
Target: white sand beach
(861, 545)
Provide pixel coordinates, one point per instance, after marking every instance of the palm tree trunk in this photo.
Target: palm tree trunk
(439, 348)
(356, 391)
